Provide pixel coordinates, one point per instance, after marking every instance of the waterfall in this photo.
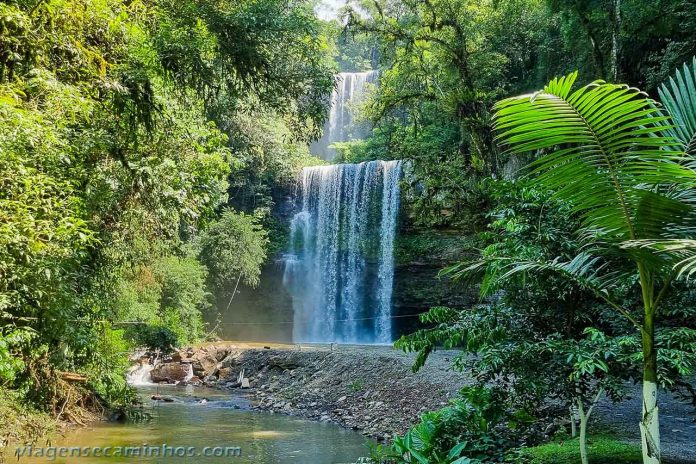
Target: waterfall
(341, 126)
(140, 374)
(340, 265)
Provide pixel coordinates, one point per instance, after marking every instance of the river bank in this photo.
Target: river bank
(369, 389)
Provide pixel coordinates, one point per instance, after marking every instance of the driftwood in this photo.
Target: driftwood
(72, 376)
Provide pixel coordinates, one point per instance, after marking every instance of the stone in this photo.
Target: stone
(228, 361)
(225, 373)
(283, 363)
(169, 372)
(220, 353)
(342, 399)
(245, 383)
(204, 364)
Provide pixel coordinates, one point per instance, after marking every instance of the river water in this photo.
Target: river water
(200, 418)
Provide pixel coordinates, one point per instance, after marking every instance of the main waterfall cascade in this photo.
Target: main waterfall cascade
(340, 266)
(341, 126)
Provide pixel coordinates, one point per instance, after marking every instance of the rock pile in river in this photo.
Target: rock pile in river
(371, 389)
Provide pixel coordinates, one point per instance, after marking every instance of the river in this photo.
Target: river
(204, 421)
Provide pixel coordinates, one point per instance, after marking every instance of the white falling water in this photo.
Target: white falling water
(340, 266)
(341, 127)
(140, 374)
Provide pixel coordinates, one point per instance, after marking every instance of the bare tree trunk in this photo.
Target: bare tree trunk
(584, 420)
(616, 31)
(234, 292)
(650, 421)
(573, 423)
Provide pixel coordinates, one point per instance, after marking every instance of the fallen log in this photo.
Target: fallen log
(72, 376)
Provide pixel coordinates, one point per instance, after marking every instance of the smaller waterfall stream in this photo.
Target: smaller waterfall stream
(341, 126)
(340, 266)
(140, 375)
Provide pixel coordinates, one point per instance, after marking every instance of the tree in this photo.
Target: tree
(605, 151)
(233, 248)
(229, 50)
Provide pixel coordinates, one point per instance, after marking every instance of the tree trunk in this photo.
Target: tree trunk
(615, 32)
(596, 49)
(234, 292)
(584, 420)
(573, 423)
(650, 423)
(584, 459)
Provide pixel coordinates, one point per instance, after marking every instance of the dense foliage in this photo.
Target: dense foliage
(115, 156)
(576, 267)
(444, 63)
(147, 149)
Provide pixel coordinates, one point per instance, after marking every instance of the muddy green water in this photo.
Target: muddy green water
(189, 425)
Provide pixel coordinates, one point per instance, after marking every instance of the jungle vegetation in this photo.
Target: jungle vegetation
(580, 191)
(143, 145)
(125, 147)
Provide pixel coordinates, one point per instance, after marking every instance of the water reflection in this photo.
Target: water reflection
(219, 421)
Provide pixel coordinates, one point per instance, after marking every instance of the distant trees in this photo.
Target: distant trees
(444, 63)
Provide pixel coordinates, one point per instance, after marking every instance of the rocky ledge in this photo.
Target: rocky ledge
(366, 388)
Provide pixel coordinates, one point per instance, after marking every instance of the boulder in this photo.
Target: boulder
(283, 362)
(204, 364)
(220, 353)
(225, 373)
(169, 372)
(229, 361)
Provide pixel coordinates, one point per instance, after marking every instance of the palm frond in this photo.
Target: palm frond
(681, 254)
(679, 98)
(585, 270)
(603, 150)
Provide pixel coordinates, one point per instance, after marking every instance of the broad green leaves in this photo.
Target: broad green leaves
(679, 99)
(604, 152)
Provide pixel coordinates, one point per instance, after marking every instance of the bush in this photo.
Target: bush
(169, 292)
(477, 427)
(156, 338)
(20, 423)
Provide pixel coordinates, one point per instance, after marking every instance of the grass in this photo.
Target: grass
(602, 450)
(356, 385)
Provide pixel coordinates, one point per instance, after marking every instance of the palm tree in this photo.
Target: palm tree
(627, 168)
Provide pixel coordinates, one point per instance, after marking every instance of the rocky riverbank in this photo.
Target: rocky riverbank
(370, 389)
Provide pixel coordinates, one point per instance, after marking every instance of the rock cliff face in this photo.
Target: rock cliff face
(265, 313)
(421, 255)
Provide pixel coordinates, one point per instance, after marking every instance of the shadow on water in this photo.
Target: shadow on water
(202, 418)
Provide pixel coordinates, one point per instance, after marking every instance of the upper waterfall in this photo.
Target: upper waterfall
(340, 266)
(341, 125)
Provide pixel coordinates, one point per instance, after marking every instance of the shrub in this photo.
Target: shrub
(477, 427)
(156, 338)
